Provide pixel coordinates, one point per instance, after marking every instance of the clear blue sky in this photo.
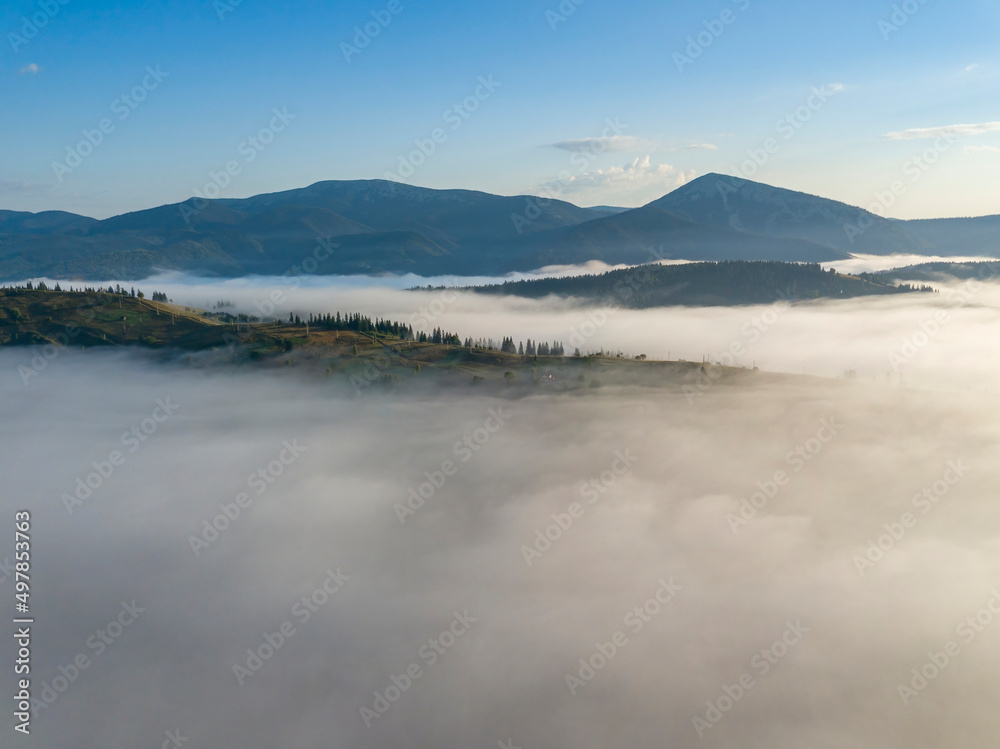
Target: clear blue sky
(885, 91)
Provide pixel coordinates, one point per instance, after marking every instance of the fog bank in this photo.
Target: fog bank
(740, 524)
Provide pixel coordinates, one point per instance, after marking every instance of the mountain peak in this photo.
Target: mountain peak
(757, 208)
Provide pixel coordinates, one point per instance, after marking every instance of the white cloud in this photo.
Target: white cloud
(599, 145)
(969, 150)
(640, 172)
(32, 68)
(935, 132)
(701, 147)
(970, 68)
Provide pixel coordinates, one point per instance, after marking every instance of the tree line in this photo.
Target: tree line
(358, 323)
(117, 289)
(725, 282)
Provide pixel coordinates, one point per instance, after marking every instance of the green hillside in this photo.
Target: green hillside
(353, 351)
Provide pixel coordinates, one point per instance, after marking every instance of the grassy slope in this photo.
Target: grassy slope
(364, 360)
(81, 319)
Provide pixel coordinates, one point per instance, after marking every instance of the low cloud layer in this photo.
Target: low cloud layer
(874, 263)
(710, 562)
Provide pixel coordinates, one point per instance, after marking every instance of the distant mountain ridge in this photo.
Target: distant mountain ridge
(377, 226)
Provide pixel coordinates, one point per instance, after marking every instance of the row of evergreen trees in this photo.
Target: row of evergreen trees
(529, 348)
(359, 324)
(117, 289)
(363, 324)
(440, 336)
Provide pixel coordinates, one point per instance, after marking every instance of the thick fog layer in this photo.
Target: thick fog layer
(240, 558)
(874, 263)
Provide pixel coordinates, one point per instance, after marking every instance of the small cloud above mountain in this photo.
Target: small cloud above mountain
(640, 172)
(31, 68)
(598, 145)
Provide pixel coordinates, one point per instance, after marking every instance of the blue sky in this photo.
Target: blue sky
(599, 103)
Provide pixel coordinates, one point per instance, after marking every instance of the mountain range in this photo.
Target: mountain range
(378, 226)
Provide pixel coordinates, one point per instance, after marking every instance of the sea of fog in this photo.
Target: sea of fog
(241, 557)
(272, 565)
